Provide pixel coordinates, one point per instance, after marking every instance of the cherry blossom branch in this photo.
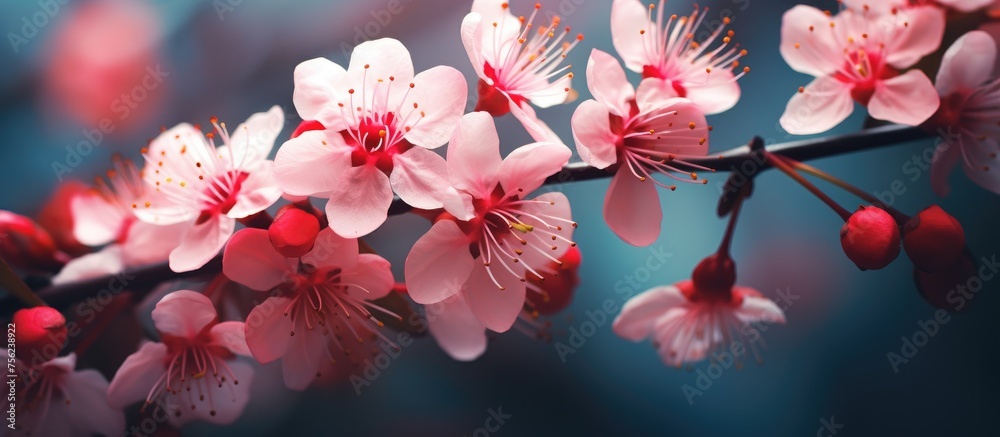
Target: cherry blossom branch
(141, 279)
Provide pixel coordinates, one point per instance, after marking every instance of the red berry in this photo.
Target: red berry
(870, 238)
(941, 287)
(934, 240)
(293, 231)
(40, 333)
(714, 277)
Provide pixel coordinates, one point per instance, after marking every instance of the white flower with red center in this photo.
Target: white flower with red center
(193, 374)
(888, 6)
(666, 48)
(319, 311)
(518, 62)
(193, 180)
(379, 121)
(492, 235)
(54, 399)
(970, 106)
(105, 215)
(859, 56)
(638, 133)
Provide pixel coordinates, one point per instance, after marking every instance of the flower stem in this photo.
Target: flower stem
(727, 239)
(780, 163)
(808, 169)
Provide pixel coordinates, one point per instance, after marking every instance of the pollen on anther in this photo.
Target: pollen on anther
(692, 125)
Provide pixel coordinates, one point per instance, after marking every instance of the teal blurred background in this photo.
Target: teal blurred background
(231, 58)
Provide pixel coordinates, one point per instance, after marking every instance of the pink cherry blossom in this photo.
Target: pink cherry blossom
(210, 187)
(192, 374)
(859, 55)
(687, 327)
(319, 311)
(518, 63)
(492, 236)
(668, 50)
(637, 133)
(54, 399)
(970, 107)
(105, 215)
(888, 6)
(379, 121)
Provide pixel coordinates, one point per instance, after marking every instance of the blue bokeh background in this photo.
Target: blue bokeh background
(830, 360)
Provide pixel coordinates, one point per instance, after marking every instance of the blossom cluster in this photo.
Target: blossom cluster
(499, 252)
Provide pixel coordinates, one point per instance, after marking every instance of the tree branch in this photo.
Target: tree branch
(144, 278)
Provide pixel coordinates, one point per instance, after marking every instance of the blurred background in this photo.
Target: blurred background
(139, 65)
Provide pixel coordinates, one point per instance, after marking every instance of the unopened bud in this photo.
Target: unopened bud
(934, 240)
(870, 238)
(40, 333)
(293, 231)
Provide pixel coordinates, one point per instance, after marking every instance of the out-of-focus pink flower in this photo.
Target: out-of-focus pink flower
(192, 180)
(192, 374)
(858, 55)
(321, 305)
(105, 214)
(970, 108)
(888, 6)
(56, 216)
(637, 133)
(688, 324)
(516, 62)
(491, 236)
(101, 59)
(379, 121)
(25, 244)
(667, 49)
(53, 399)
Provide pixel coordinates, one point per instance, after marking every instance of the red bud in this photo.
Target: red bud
(870, 238)
(25, 244)
(933, 239)
(713, 278)
(941, 287)
(293, 231)
(40, 334)
(558, 288)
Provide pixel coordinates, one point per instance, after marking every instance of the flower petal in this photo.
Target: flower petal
(919, 33)
(537, 128)
(595, 142)
(253, 139)
(370, 279)
(497, 309)
(305, 356)
(967, 64)
(759, 309)
(419, 176)
(107, 261)
(438, 264)
(96, 221)
(87, 407)
(360, 204)
(456, 329)
(382, 58)
(318, 82)
(332, 251)
(628, 19)
(472, 40)
(640, 313)
(474, 155)
(184, 314)
(527, 167)
(232, 336)
(201, 243)
(717, 92)
(258, 191)
(441, 93)
(821, 106)
(312, 163)
(149, 244)
(608, 84)
(269, 330)
(906, 99)
(250, 259)
(222, 403)
(632, 208)
(806, 42)
(136, 376)
(944, 161)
